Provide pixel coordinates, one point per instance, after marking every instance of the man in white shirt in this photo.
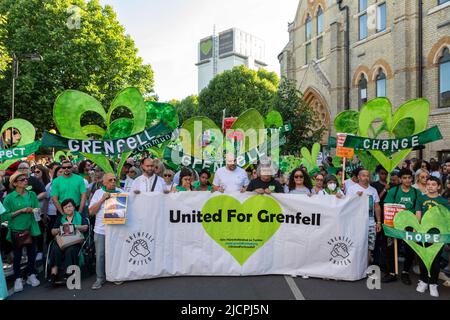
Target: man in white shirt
(230, 178)
(363, 188)
(97, 209)
(349, 183)
(148, 181)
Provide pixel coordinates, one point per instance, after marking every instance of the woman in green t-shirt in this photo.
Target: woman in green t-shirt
(203, 183)
(185, 181)
(425, 203)
(21, 206)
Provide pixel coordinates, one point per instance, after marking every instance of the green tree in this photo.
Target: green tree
(236, 91)
(289, 102)
(94, 56)
(4, 57)
(186, 108)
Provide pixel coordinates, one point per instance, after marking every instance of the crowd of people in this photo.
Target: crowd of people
(39, 201)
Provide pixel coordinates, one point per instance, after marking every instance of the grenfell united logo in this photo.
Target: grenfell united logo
(140, 248)
(340, 250)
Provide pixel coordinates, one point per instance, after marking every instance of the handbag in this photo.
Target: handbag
(69, 240)
(22, 238)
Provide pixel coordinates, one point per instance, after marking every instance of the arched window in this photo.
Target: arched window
(362, 90)
(319, 21)
(381, 84)
(444, 79)
(308, 28)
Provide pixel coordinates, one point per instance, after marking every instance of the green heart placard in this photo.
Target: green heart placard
(241, 239)
(437, 219)
(71, 105)
(206, 47)
(417, 111)
(27, 132)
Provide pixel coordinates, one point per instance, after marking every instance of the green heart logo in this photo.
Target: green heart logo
(241, 238)
(396, 125)
(71, 105)
(27, 136)
(206, 47)
(310, 158)
(436, 218)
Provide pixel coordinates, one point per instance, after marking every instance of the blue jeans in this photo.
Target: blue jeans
(99, 240)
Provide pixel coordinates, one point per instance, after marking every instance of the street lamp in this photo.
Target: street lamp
(27, 56)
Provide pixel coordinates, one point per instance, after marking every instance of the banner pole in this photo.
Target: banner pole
(343, 172)
(396, 255)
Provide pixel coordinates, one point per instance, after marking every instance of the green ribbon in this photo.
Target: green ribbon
(137, 143)
(19, 152)
(414, 236)
(392, 145)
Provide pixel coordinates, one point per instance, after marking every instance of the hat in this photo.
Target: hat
(14, 177)
(330, 178)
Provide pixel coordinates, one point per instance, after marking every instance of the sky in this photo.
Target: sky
(167, 32)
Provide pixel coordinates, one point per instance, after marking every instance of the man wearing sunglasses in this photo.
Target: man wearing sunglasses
(68, 186)
(97, 209)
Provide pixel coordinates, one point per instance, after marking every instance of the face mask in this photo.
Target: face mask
(332, 186)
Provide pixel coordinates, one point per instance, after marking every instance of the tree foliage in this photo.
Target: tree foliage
(289, 102)
(237, 90)
(95, 57)
(4, 57)
(187, 108)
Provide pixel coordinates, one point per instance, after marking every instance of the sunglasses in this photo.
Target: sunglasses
(168, 175)
(298, 177)
(22, 179)
(67, 168)
(37, 172)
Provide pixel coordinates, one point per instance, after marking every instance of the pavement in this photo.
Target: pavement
(231, 288)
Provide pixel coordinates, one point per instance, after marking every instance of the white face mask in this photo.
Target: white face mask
(332, 186)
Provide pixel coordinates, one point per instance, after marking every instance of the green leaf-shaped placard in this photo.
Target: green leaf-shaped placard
(27, 136)
(347, 122)
(71, 105)
(381, 109)
(436, 219)
(310, 158)
(195, 128)
(274, 119)
(250, 121)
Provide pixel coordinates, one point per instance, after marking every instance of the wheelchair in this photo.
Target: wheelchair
(86, 255)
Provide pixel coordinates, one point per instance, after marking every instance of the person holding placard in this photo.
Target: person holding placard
(407, 196)
(426, 202)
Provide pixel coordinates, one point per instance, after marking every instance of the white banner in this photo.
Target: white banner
(204, 234)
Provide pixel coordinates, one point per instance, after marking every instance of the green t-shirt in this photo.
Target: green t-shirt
(68, 188)
(179, 188)
(196, 186)
(24, 221)
(408, 199)
(425, 203)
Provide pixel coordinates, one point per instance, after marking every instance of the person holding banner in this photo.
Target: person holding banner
(148, 181)
(203, 183)
(265, 183)
(363, 188)
(332, 187)
(230, 178)
(96, 209)
(185, 181)
(426, 202)
(300, 182)
(408, 197)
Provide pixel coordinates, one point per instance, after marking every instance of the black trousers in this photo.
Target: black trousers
(31, 254)
(434, 272)
(64, 258)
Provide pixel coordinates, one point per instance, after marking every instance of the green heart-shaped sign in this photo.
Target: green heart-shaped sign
(436, 218)
(71, 105)
(255, 233)
(27, 136)
(206, 47)
(416, 111)
(310, 158)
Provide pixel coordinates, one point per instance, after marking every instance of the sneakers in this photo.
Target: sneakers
(434, 290)
(33, 281)
(405, 278)
(39, 256)
(422, 287)
(18, 285)
(389, 278)
(97, 284)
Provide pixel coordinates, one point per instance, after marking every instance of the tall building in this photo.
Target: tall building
(233, 47)
(343, 53)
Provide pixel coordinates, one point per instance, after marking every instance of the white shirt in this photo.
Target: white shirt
(372, 193)
(128, 182)
(231, 181)
(145, 184)
(349, 184)
(51, 206)
(99, 226)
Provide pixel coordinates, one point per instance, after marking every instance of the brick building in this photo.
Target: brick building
(399, 49)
